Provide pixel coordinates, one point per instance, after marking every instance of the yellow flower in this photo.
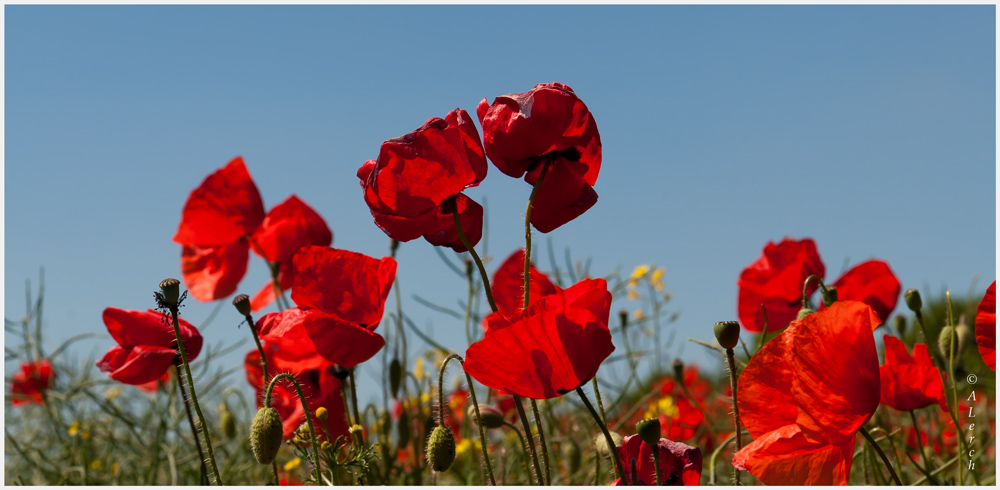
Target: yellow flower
(356, 428)
(632, 293)
(96, 465)
(639, 272)
(74, 429)
(657, 279)
(462, 447)
(418, 368)
(114, 469)
(293, 464)
(425, 397)
(663, 406)
(638, 315)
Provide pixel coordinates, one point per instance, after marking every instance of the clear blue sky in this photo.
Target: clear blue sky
(870, 129)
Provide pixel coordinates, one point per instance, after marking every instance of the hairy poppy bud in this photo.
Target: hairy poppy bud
(804, 312)
(830, 295)
(649, 431)
(242, 304)
(966, 335)
(601, 444)
(403, 429)
(912, 298)
(395, 376)
(227, 421)
(728, 334)
(678, 370)
(571, 453)
(899, 321)
(171, 290)
(488, 417)
(321, 413)
(441, 449)
(945, 340)
(265, 435)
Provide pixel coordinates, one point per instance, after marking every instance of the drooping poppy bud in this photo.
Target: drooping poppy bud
(403, 429)
(340, 372)
(912, 298)
(899, 321)
(265, 435)
(171, 290)
(728, 334)
(242, 304)
(649, 431)
(395, 376)
(441, 449)
(488, 417)
(830, 295)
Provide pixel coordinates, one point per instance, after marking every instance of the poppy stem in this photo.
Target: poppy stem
(354, 404)
(715, 457)
(475, 403)
(656, 465)
(805, 288)
(541, 441)
(607, 435)
(926, 469)
(527, 230)
(524, 447)
(763, 335)
(197, 442)
(530, 437)
(305, 407)
(174, 314)
(600, 404)
(731, 357)
(475, 257)
(885, 460)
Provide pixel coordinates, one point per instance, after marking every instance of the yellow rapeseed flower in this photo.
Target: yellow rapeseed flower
(96, 465)
(639, 271)
(462, 447)
(112, 393)
(657, 279)
(663, 406)
(74, 429)
(418, 368)
(114, 469)
(293, 464)
(638, 315)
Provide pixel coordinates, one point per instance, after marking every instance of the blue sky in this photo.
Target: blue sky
(869, 129)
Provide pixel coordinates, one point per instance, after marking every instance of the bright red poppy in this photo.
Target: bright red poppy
(342, 296)
(287, 228)
(680, 464)
(155, 385)
(549, 349)
(909, 383)
(508, 285)
(806, 393)
(418, 180)
(147, 346)
(26, 386)
(986, 327)
(218, 218)
(548, 123)
(871, 283)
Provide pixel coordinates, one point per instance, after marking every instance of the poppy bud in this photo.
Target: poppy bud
(403, 429)
(601, 444)
(265, 435)
(171, 290)
(623, 317)
(649, 431)
(395, 376)
(830, 295)
(728, 334)
(321, 413)
(944, 341)
(899, 321)
(339, 372)
(227, 421)
(804, 312)
(571, 453)
(678, 370)
(242, 304)
(441, 449)
(912, 298)
(488, 417)
(966, 335)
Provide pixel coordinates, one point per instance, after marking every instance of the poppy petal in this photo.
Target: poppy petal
(787, 457)
(223, 209)
(775, 279)
(341, 342)
(562, 196)
(288, 227)
(133, 327)
(287, 341)
(508, 284)
(764, 394)
(350, 285)
(909, 383)
(872, 283)
(138, 364)
(986, 327)
(212, 273)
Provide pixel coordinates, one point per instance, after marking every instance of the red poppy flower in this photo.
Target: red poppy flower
(547, 123)
(287, 228)
(549, 349)
(806, 393)
(342, 295)
(508, 285)
(26, 386)
(909, 383)
(986, 327)
(775, 280)
(146, 346)
(871, 283)
(680, 464)
(154, 386)
(218, 217)
(419, 177)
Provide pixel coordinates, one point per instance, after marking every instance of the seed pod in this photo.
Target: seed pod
(899, 321)
(966, 335)
(265, 435)
(912, 298)
(488, 417)
(395, 376)
(649, 431)
(171, 290)
(728, 334)
(601, 444)
(242, 304)
(830, 295)
(678, 366)
(227, 421)
(441, 449)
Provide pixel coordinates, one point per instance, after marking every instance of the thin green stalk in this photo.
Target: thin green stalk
(531, 438)
(607, 435)
(305, 407)
(763, 335)
(923, 456)
(475, 403)
(939, 470)
(541, 441)
(805, 288)
(527, 230)
(264, 381)
(524, 448)
(475, 257)
(194, 430)
(354, 403)
(733, 375)
(656, 465)
(468, 305)
(885, 460)
(951, 374)
(600, 404)
(715, 457)
(194, 397)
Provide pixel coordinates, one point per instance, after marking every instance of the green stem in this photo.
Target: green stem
(531, 438)
(527, 230)
(715, 457)
(475, 403)
(736, 410)
(656, 465)
(468, 305)
(951, 373)
(920, 443)
(524, 448)
(607, 435)
(305, 407)
(805, 288)
(354, 403)
(194, 430)
(763, 335)
(541, 441)
(194, 397)
(600, 404)
(885, 460)
(475, 257)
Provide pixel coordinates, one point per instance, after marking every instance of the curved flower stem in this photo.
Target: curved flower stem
(920, 443)
(715, 457)
(468, 305)
(263, 365)
(541, 441)
(763, 335)
(524, 447)
(885, 460)
(194, 397)
(354, 403)
(475, 257)
(607, 435)
(305, 407)
(527, 230)
(531, 438)
(194, 430)
(597, 395)
(736, 410)
(805, 288)
(475, 403)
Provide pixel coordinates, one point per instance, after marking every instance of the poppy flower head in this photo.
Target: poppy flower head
(909, 383)
(417, 181)
(217, 217)
(775, 279)
(553, 347)
(550, 125)
(508, 284)
(147, 346)
(26, 385)
(986, 327)
(871, 283)
(680, 464)
(806, 393)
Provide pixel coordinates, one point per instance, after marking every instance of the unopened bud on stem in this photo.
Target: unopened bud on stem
(728, 334)
(649, 431)
(242, 304)
(912, 298)
(171, 290)
(441, 449)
